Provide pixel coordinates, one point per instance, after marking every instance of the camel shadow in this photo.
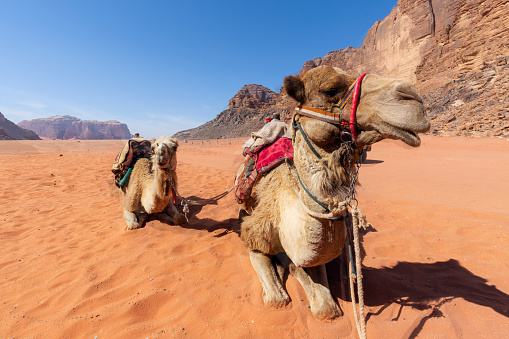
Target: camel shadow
(210, 225)
(205, 224)
(422, 286)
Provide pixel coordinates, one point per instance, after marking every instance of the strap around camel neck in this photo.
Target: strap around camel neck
(336, 118)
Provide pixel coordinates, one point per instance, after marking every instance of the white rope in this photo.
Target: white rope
(359, 220)
(337, 209)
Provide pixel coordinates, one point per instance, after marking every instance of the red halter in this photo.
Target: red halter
(355, 103)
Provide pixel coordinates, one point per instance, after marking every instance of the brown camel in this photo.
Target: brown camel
(284, 220)
(149, 190)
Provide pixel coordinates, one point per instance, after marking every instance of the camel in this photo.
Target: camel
(150, 190)
(282, 226)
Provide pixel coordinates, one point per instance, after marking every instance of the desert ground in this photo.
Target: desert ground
(435, 263)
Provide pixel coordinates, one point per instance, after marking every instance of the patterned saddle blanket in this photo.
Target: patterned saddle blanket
(258, 162)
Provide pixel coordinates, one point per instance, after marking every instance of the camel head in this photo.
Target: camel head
(165, 152)
(388, 108)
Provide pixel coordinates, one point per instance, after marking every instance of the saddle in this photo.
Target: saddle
(259, 161)
(134, 149)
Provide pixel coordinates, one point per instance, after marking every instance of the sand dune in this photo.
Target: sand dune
(435, 263)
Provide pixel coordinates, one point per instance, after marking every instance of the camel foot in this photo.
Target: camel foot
(179, 219)
(315, 284)
(131, 220)
(328, 312)
(276, 300)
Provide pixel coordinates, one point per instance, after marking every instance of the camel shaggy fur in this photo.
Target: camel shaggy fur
(149, 190)
(278, 232)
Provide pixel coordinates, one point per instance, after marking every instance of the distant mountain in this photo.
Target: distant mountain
(69, 127)
(10, 131)
(246, 113)
(456, 52)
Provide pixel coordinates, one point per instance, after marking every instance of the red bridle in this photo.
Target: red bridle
(336, 118)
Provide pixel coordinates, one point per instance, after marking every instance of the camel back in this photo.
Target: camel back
(133, 149)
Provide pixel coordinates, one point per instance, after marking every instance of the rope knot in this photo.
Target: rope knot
(336, 205)
(359, 218)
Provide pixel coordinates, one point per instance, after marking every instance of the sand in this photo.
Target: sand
(435, 265)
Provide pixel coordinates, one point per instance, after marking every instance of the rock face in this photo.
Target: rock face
(246, 113)
(10, 131)
(68, 127)
(456, 52)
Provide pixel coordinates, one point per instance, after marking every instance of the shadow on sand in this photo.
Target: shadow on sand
(372, 162)
(205, 224)
(422, 286)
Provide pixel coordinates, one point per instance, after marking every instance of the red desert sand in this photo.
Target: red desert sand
(435, 264)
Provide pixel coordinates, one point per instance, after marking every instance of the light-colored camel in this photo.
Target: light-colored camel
(149, 190)
(278, 223)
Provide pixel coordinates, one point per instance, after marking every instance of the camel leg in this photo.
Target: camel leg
(314, 282)
(131, 220)
(178, 218)
(273, 292)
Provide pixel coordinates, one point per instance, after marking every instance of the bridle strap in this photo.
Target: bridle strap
(296, 125)
(336, 118)
(355, 104)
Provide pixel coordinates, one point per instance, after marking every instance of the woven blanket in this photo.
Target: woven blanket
(274, 154)
(266, 158)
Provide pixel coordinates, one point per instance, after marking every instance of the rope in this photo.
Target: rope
(200, 202)
(334, 213)
(358, 220)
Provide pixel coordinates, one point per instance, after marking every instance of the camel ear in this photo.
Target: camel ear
(295, 88)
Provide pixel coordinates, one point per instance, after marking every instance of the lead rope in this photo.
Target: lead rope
(186, 202)
(358, 220)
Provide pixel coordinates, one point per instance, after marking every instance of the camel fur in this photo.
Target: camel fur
(276, 229)
(149, 191)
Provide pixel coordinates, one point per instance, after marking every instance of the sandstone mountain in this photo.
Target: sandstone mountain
(10, 131)
(456, 52)
(246, 112)
(69, 127)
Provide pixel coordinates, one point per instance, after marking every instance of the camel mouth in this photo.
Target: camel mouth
(409, 137)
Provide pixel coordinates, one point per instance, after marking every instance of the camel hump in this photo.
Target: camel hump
(133, 149)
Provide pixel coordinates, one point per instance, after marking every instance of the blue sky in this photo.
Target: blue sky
(162, 66)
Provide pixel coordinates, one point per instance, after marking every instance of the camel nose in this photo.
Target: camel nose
(405, 91)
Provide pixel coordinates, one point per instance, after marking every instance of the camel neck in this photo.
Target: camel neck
(161, 182)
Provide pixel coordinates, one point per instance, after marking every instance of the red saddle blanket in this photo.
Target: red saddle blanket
(271, 156)
(266, 158)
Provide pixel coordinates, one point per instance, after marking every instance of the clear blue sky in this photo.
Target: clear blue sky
(162, 66)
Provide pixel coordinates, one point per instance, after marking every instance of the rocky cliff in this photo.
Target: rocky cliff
(68, 127)
(246, 113)
(10, 131)
(456, 52)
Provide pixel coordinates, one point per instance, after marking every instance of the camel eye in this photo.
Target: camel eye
(330, 92)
